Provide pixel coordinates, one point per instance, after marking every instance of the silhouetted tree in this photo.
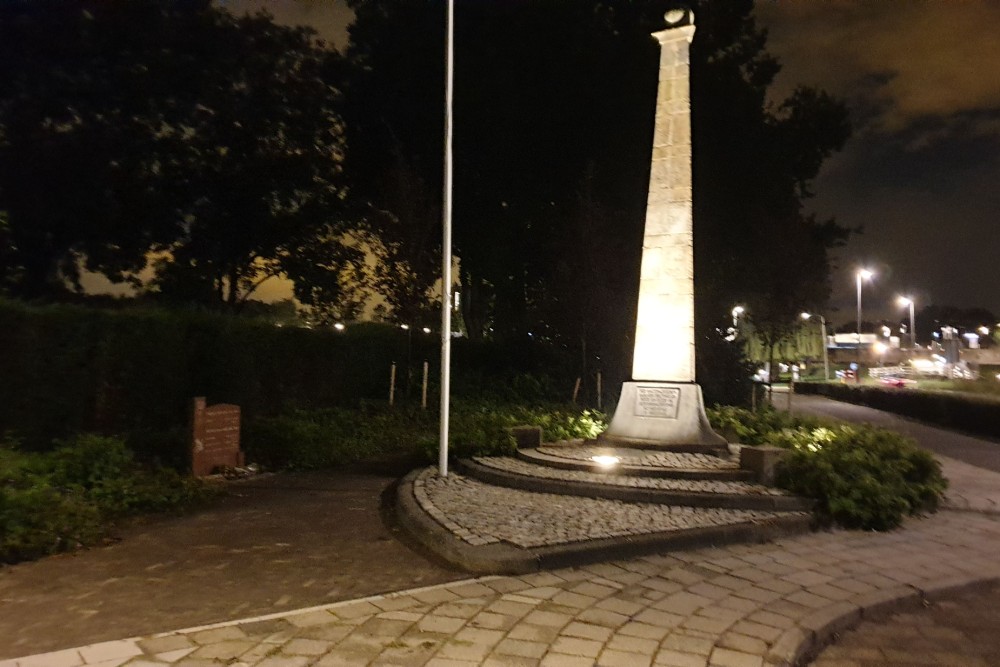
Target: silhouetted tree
(554, 112)
(136, 126)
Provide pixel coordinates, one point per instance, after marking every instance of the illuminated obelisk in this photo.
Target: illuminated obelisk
(662, 405)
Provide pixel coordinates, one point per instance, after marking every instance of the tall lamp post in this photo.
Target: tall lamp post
(826, 356)
(907, 301)
(862, 274)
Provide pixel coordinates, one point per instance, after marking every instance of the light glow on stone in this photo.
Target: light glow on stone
(605, 460)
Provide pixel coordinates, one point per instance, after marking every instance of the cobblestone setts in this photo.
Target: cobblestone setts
(483, 514)
(526, 468)
(738, 606)
(643, 458)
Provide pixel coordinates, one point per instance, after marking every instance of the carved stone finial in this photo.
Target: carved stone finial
(678, 17)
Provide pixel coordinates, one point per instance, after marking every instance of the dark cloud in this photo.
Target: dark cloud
(922, 79)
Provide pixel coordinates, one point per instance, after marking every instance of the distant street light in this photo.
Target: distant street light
(826, 357)
(737, 311)
(862, 274)
(880, 348)
(907, 301)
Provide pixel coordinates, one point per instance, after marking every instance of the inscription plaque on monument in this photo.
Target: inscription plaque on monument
(215, 437)
(657, 402)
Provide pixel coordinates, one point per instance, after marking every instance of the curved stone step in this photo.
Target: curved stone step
(638, 463)
(617, 441)
(518, 474)
(495, 529)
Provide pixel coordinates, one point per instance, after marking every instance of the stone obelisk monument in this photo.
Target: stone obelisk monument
(662, 405)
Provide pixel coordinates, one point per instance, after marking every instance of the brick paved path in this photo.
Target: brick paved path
(739, 606)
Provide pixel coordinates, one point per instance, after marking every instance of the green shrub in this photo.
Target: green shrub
(330, 437)
(308, 439)
(860, 476)
(65, 499)
(755, 428)
(37, 518)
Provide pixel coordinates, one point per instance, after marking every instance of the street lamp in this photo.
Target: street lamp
(907, 301)
(737, 311)
(826, 357)
(862, 274)
(880, 348)
(734, 331)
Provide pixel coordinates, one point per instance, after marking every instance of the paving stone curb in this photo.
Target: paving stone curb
(567, 487)
(799, 645)
(504, 558)
(486, 559)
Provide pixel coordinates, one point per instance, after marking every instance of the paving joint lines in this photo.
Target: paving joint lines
(753, 605)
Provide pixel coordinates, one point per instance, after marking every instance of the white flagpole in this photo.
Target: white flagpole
(446, 244)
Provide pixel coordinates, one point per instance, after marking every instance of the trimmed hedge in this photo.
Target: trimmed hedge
(979, 415)
(71, 369)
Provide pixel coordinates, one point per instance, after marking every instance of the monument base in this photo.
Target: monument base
(652, 414)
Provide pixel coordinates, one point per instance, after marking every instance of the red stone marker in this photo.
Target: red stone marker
(215, 437)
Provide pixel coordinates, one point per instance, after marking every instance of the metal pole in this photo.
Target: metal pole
(392, 384)
(913, 330)
(826, 354)
(446, 242)
(423, 393)
(857, 373)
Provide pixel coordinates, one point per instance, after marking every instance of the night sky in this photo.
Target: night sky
(922, 172)
(921, 175)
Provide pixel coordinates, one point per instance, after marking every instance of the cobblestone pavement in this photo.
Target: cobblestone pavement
(739, 606)
(273, 544)
(508, 464)
(481, 514)
(959, 631)
(638, 457)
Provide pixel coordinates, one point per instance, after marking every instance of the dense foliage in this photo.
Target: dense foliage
(860, 476)
(554, 110)
(330, 437)
(140, 129)
(71, 496)
(70, 369)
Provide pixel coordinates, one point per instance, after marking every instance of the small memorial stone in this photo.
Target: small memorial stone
(215, 437)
